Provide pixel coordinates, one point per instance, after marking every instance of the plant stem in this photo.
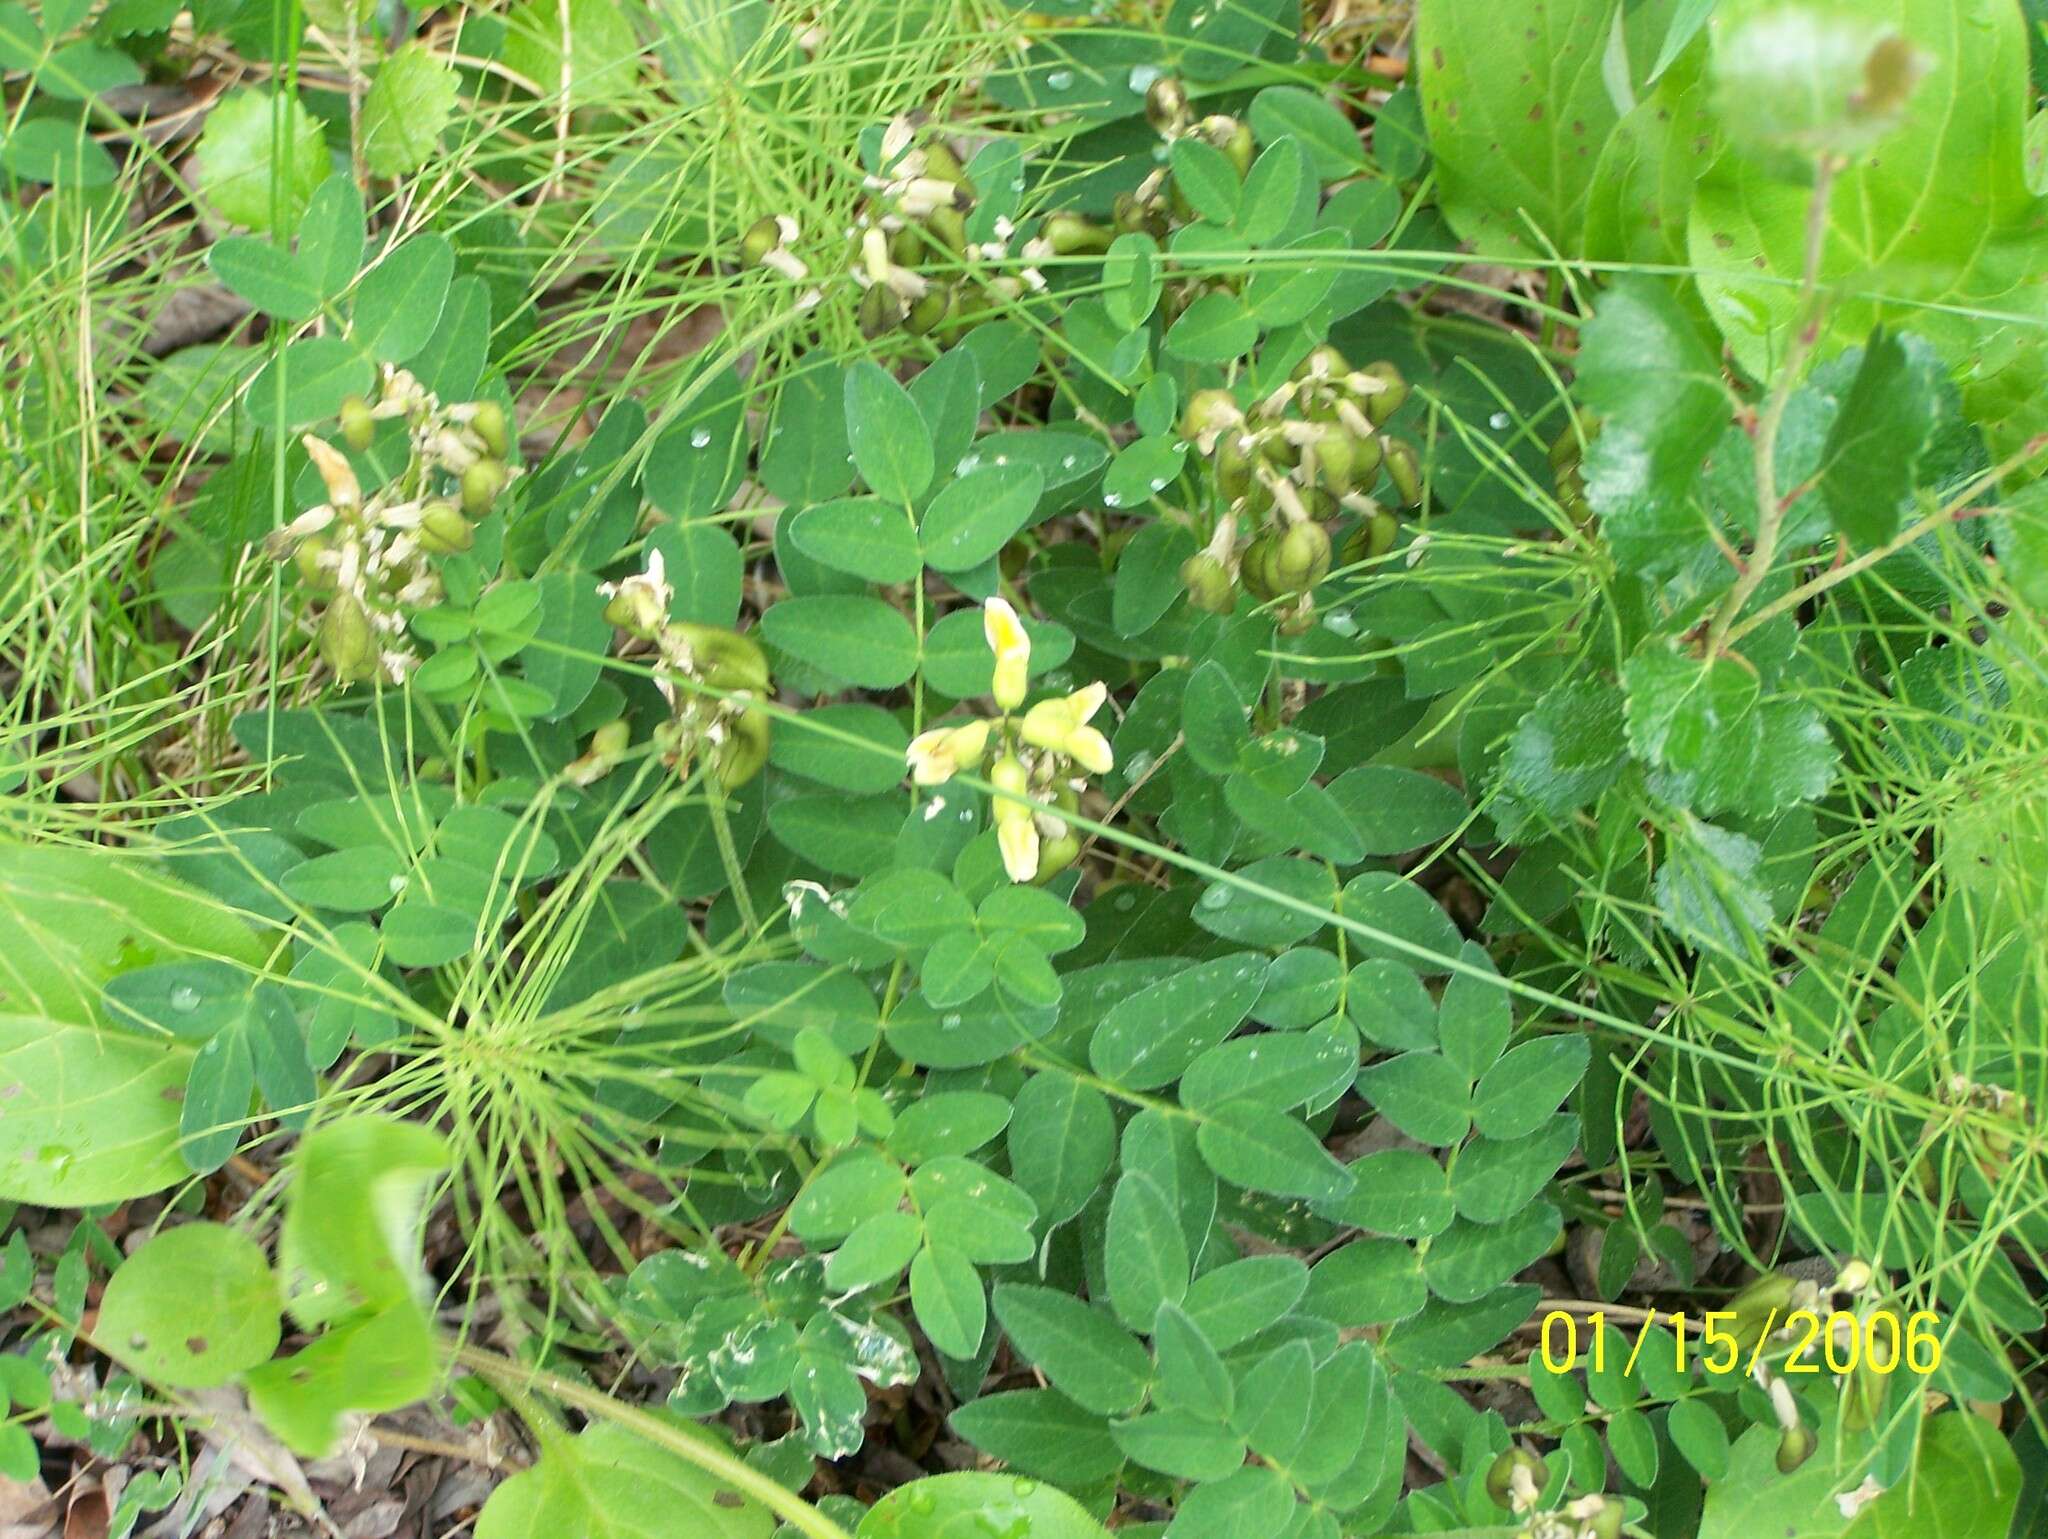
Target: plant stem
(713, 1460)
(1952, 511)
(1770, 507)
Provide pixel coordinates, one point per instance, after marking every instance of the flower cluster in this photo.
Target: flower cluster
(1037, 755)
(1289, 466)
(712, 679)
(373, 556)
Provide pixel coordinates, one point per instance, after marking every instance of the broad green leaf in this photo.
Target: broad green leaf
(948, 1122)
(845, 1194)
(947, 1297)
(585, 50)
(398, 303)
(1231, 908)
(1206, 179)
(1468, 1261)
(1708, 887)
(1181, 1444)
(610, 1483)
(1397, 1192)
(1150, 1038)
(260, 157)
(271, 279)
(1279, 1071)
(1192, 1376)
(1325, 133)
(1241, 1298)
(372, 1362)
(1872, 456)
(1568, 749)
(1062, 1139)
(1517, 114)
(861, 641)
(1474, 1019)
(966, 1504)
(1256, 1499)
(1390, 905)
(1267, 1151)
(352, 881)
(974, 517)
(92, 1115)
(1085, 1354)
(864, 536)
(331, 236)
(1645, 367)
(1518, 1095)
(704, 567)
(1214, 329)
(1275, 190)
(350, 1238)
(1145, 1257)
(892, 446)
(1131, 279)
(1925, 229)
(193, 1307)
(305, 383)
(1696, 719)
(409, 105)
(1424, 1095)
(852, 747)
(1397, 809)
(1642, 190)
(1040, 1432)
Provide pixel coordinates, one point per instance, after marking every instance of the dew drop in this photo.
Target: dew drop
(1125, 902)
(1142, 76)
(1216, 897)
(701, 439)
(184, 998)
(949, 1021)
(1112, 500)
(1060, 79)
(1340, 621)
(1499, 421)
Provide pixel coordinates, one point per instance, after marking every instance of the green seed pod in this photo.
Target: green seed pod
(445, 532)
(880, 311)
(1373, 538)
(930, 312)
(762, 237)
(1055, 855)
(1500, 1475)
(1303, 557)
(358, 427)
(1166, 104)
(1794, 1448)
(1255, 570)
(1404, 469)
(1208, 583)
(744, 753)
(1072, 235)
(1325, 362)
(307, 559)
(906, 247)
(948, 227)
(1762, 1302)
(1234, 476)
(611, 739)
(491, 426)
(1382, 404)
(725, 659)
(1339, 462)
(941, 164)
(347, 644)
(1213, 410)
(1128, 214)
(481, 484)
(1235, 141)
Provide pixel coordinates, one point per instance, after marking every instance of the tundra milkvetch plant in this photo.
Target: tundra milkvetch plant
(373, 556)
(1038, 754)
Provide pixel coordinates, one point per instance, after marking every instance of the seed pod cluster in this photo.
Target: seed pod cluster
(372, 558)
(714, 680)
(1286, 469)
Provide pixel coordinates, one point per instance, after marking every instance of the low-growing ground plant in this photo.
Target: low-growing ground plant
(888, 770)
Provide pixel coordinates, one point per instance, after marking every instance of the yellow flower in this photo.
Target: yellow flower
(1060, 726)
(938, 755)
(1016, 828)
(1012, 648)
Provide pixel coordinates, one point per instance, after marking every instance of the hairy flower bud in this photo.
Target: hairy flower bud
(358, 427)
(1388, 394)
(1303, 557)
(443, 531)
(481, 484)
(488, 422)
(1207, 580)
(1404, 469)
